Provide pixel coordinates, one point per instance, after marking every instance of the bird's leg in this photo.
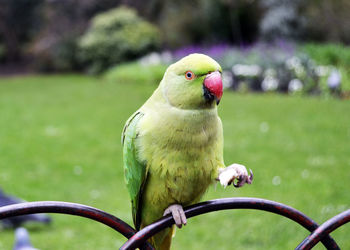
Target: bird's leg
(232, 172)
(178, 214)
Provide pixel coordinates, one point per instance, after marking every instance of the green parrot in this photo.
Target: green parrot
(173, 146)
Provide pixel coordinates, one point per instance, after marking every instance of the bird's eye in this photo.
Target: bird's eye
(189, 75)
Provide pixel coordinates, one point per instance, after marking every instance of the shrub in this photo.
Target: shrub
(281, 20)
(136, 72)
(334, 54)
(115, 36)
(55, 54)
(327, 21)
(331, 54)
(266, 67)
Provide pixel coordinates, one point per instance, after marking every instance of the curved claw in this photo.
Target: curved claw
(244, 179)
(250, 177)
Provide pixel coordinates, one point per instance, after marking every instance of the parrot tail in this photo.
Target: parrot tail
(162, 240)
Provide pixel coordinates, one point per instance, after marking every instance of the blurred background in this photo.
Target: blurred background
(288, 46)
(72, 72)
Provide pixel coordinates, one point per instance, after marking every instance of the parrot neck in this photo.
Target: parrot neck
(161, 93)
(159, 103)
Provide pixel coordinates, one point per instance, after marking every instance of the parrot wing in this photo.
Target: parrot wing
(135, 171)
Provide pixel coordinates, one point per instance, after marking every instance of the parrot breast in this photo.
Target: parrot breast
(179, 148)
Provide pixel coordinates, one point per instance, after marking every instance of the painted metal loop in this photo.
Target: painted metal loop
(60, 207)
(229, 203)
(325, 229)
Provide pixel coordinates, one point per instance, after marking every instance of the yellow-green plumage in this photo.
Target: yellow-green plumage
(173, 145)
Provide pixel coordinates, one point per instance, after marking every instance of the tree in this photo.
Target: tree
(282, 19)
(17, 21)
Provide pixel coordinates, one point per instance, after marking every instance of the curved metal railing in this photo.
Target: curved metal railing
(229, 203)
(60, 207)
(139, 239)
(325, 229)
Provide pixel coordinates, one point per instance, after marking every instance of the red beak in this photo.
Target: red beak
(213, 83)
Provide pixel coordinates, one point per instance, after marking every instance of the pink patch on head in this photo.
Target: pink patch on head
(213, 83)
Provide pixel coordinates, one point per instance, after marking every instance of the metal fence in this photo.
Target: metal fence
(139, 239)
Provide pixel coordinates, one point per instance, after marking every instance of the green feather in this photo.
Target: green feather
(134, 170)
(173, 145)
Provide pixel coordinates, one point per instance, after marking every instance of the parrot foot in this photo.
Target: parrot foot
(232, 172)
(178, 214)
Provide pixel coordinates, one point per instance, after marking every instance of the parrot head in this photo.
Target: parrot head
(194, 82)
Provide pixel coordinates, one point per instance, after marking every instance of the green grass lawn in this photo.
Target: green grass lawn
(60, 140)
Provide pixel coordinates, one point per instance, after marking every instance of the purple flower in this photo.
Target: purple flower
(215, 51)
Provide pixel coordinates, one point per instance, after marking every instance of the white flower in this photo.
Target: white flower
(295, 85)
(246, 70)
(293, 63)
(227, 79)
(269, 83)
(153, 58)
(334, 79)
(270, 72)
(322, 70)
(167, 57)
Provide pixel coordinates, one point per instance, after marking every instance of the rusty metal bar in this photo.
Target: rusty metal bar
(72, 209)
(325, 229)
(229, 203)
